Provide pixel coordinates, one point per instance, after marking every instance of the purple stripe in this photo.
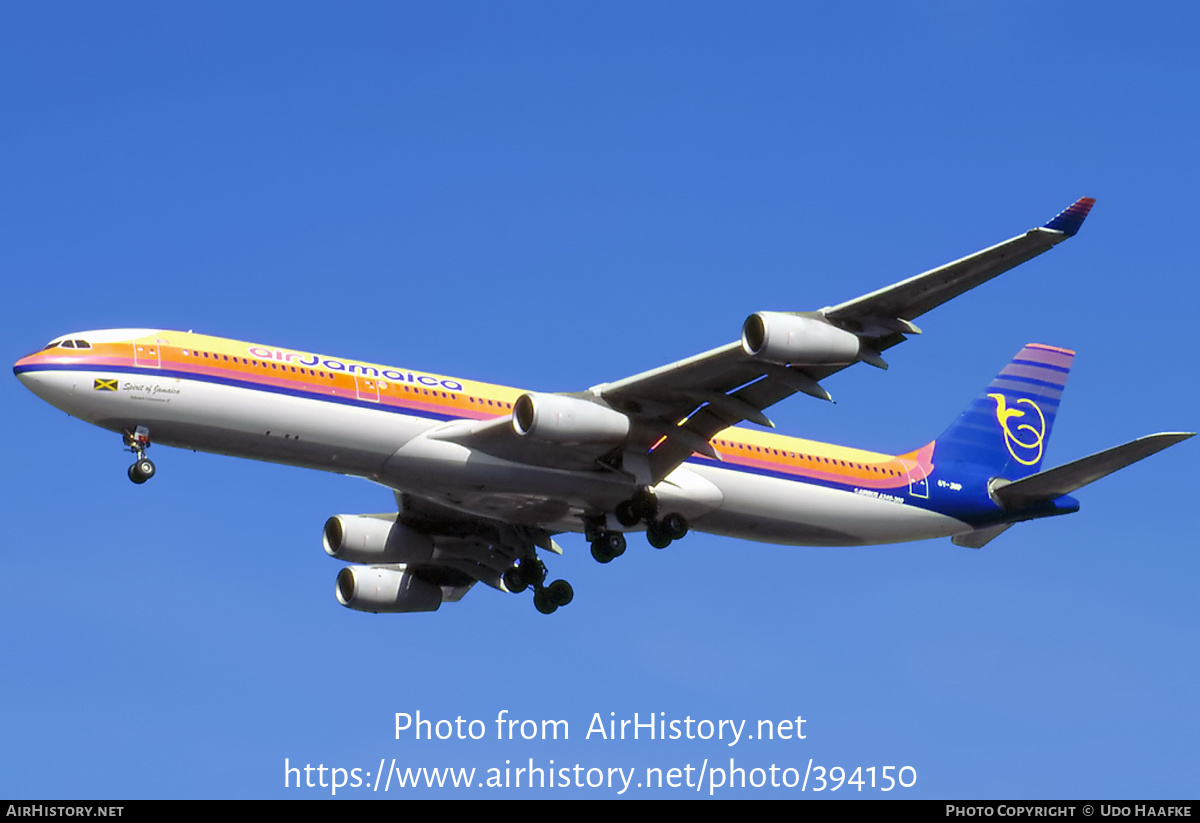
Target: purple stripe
(1059, 359)
(1053, 376)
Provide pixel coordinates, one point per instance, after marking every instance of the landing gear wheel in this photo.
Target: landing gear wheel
(608, 546)
(644, 504)
(656, 538)
(560, 593)
(543, 603)
(674, 526)
(142, 470)
(513, 581)
(532, 572)
(626, 516)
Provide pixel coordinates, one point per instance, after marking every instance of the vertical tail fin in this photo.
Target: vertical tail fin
(1006, 428)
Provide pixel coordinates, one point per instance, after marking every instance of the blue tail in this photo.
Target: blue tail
(1006, 429)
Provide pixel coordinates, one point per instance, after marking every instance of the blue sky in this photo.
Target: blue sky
(551, 196)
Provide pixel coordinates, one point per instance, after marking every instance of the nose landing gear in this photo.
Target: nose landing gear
(142, 470)
(137, 441)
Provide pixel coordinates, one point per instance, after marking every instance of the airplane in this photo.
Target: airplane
(485, 476)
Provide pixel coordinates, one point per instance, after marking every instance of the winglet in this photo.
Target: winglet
(1071, 218)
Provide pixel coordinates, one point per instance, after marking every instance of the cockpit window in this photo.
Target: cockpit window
(67, 344)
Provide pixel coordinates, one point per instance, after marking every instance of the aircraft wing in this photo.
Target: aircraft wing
(676, 409)
(465, 549)
(428, 554)
(911, 298)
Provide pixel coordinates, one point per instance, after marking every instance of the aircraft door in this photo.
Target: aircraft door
(367, 388)
(148, 354)
(918, 481)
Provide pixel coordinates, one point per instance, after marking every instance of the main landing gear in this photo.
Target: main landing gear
(137, 441)
(606, 546)
(532, 572)
(641, 508)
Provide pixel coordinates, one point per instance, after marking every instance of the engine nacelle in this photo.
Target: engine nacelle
(380, 590)
(559, 419)
(375, 538)
(790, 340)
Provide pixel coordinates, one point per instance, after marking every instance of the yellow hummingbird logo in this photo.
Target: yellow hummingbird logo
(1027, 438)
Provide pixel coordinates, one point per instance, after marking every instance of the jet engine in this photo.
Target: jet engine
(375, 538)
(793, 340)
(378, 589)
(560, 419)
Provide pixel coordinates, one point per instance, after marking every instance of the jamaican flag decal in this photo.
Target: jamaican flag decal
(104, 385)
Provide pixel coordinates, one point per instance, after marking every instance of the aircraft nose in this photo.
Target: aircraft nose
(31, 379)
(21, 369)
(53, 387)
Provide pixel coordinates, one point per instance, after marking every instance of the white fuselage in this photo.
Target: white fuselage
(391, 448)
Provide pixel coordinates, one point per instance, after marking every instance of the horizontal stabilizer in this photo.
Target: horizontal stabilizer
(1056, 482)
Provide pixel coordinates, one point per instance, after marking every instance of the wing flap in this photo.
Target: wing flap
(714, 417)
